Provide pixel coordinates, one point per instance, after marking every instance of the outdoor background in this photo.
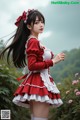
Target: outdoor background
(62, 28)
(61, 33)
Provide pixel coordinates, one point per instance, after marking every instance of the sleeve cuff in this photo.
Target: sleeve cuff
(49, 63)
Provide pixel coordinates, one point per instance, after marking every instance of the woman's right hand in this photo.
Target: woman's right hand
(59, 57)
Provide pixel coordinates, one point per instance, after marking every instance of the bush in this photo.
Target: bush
(8, 84)
(70, 94)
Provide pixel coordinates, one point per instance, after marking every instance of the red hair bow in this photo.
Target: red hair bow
(22, 17)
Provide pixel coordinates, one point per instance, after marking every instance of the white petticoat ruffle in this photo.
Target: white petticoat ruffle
(20, 100)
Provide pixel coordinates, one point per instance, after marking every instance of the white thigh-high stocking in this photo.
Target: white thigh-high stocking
(38, 118)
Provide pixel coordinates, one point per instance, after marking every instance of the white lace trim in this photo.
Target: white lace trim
(19, 99)
(50, 86)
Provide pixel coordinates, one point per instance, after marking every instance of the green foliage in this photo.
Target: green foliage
(8, 85)
(68, 67)
(62, 72)
(70, 94)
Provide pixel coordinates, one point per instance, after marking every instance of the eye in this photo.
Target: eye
(36, 22)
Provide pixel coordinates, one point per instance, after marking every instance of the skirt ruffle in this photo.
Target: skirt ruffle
(33, 88)
(21, 100)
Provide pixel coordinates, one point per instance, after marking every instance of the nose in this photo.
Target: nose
(41, 24)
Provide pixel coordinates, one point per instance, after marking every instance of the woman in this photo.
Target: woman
(38, 90)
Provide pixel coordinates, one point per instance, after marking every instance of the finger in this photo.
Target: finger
(59, 56)
(62, 58)
(62, 53)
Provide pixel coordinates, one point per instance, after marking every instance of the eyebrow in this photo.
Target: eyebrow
(38, 20)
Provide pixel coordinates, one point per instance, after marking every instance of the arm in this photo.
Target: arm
(32, 55)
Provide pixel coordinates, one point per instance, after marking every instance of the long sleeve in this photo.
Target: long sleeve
(33, 50)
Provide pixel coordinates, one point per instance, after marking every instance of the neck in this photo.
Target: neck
(36, 35)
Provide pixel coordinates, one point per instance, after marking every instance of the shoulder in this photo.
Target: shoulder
(33, 42)
(33, 46)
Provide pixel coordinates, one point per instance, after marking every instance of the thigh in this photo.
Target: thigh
(40, 109)
(31, 106)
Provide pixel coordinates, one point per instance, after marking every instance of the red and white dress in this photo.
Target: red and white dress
(38, 85)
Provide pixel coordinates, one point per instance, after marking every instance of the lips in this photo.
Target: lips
(41, 29)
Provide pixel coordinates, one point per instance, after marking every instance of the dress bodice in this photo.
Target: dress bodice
(45, 53)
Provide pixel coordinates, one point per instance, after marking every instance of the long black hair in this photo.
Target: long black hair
(17, 46)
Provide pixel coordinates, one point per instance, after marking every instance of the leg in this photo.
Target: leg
(40, 110)
(31, 109)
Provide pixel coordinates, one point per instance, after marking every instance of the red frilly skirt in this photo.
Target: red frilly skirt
(33, 88)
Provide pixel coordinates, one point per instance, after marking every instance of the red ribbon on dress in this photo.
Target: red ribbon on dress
(22, 77)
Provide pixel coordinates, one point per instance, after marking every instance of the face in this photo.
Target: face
(38, 27)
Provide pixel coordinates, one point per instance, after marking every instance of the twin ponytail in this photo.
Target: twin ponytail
(17, 48)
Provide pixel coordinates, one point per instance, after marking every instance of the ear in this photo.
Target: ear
(29, 27)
